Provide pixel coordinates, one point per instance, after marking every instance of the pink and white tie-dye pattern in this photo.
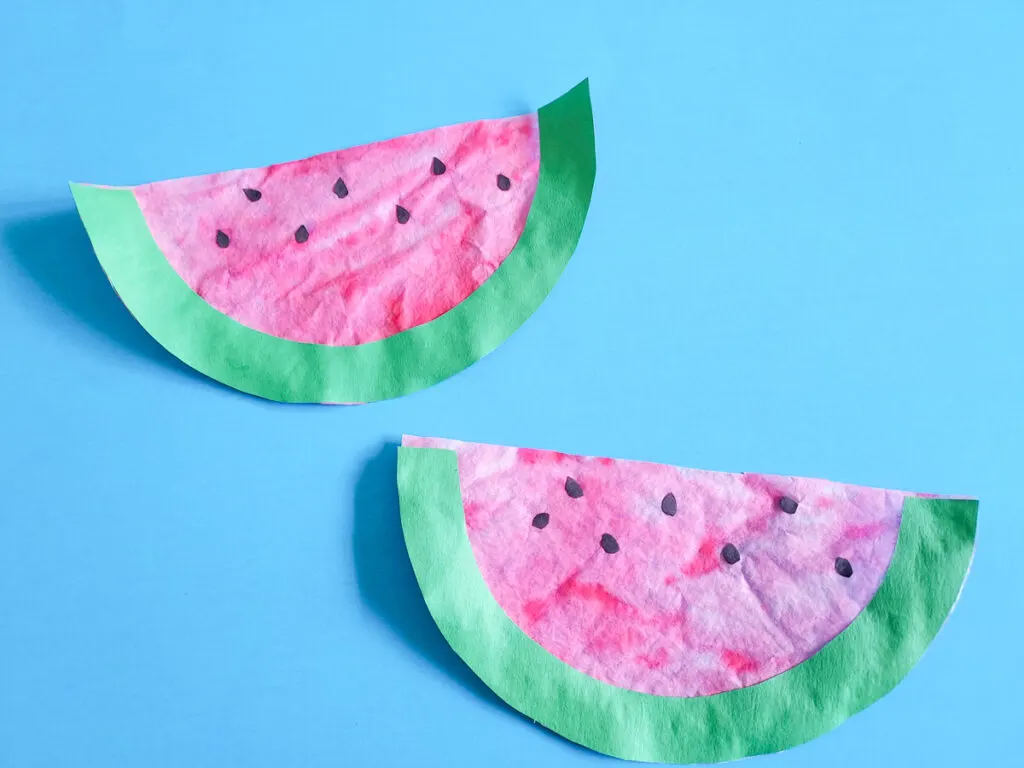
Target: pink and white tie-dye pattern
(665, 614)
(361, 275)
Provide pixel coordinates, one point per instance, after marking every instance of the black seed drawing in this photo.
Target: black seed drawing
(843, 567)
(668, 504)
(730, 554)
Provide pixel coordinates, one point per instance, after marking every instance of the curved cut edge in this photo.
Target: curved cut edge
(289, 371)
(859, 666)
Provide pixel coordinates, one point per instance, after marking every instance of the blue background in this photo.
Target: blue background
(804, 256)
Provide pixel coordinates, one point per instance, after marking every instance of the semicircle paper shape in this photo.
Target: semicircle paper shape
(358, 275)
(662, 614)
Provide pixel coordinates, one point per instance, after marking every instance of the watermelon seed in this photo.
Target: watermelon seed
(843, 567)
(301, 234)
(222, 239)
(252, 194)
(573, 488)
(340, 189)
(503, 182)
(730, 554)
(668, 504)
(541, 521)
(401, 214)
(609, 544)
(437, 167)
(788, 505)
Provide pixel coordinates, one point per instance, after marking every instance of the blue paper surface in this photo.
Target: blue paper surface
(805, 230)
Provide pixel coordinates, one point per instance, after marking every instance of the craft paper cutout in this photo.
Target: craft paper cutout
(356, 275)
(663, 614)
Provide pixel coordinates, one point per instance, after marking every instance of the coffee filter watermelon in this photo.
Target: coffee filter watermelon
(664, 614)
(356, 275)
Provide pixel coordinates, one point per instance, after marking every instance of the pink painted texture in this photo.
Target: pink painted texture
(666, 614)
(361, 276)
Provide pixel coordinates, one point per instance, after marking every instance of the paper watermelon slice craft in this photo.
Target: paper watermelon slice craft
(356, 275)
(674, 615)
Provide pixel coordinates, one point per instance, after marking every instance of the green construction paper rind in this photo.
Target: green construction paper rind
(289, 371)
(859, 666)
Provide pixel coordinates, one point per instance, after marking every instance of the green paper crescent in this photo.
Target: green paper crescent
(466, 536)
(360, 275)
